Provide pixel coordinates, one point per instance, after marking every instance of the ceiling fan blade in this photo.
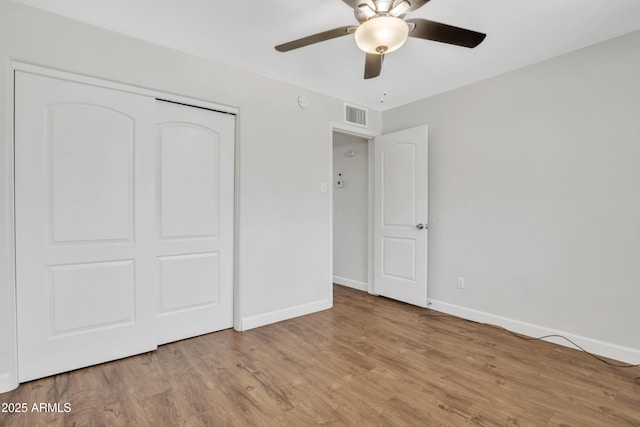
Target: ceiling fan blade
(431, 30)
(315, 38)
(372, 65)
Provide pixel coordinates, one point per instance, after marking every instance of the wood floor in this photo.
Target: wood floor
(368, 361)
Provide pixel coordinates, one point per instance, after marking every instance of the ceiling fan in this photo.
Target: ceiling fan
(383, 29)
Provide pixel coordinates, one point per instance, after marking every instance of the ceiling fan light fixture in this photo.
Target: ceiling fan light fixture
(366, 10)
(382, 34)
(400, 9)
(383, 6)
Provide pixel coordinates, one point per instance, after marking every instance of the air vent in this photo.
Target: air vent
(355, 115)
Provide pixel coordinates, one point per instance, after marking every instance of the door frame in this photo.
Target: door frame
(10, 381)
(368, 135)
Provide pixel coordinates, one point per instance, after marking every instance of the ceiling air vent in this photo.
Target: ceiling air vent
(355, 115)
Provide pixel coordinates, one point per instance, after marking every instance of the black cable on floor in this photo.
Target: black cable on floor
(526, 338)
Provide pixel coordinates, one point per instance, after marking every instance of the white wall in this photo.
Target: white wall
(284, 154)
(534, 186)
(351, 212)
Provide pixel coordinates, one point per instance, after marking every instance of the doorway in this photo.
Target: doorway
(380, 212)
(351, 211)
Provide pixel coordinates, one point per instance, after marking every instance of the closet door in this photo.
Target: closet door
(85, 279)
(194, 224)
(124, 223)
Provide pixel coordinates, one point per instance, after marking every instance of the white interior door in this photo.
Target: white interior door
(122, 239)
(194, 233)
(400, 215)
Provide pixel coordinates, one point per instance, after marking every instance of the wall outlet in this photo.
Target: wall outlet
(460, 282)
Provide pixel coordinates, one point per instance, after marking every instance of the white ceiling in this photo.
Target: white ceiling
(243, 33)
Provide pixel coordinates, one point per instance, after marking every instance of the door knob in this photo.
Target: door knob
(420, 226)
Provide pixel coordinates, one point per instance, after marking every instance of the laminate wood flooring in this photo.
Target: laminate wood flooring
(367, 361)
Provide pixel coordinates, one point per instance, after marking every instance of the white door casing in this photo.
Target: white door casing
(100, 258)
(401, 215)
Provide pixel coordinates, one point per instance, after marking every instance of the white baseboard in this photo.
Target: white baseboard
(7, 383)
(601, 348)
(351, 283)
(251, 322)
